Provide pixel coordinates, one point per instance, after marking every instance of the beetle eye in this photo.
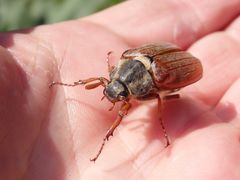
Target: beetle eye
(123, 94)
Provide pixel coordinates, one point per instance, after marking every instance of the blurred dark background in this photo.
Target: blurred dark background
(19, 14)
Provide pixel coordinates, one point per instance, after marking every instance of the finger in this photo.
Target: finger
(220, 55)
(181, 22)
(228, 107)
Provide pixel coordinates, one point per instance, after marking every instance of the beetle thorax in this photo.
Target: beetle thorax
(134, 76)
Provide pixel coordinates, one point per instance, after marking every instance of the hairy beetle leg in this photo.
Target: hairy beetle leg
(121, 113)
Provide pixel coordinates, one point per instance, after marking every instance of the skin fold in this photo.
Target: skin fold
(52, 133)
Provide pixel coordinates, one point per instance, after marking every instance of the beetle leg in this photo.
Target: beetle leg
(110, 68)
(102, 81)
(171, 96)
(121, 113)
(111, 108)
(161, 121)
(148, 97)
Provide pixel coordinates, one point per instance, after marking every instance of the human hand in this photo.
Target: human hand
(52, 133)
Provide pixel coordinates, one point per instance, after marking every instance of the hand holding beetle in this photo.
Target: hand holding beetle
(50, 134)
(153, 71)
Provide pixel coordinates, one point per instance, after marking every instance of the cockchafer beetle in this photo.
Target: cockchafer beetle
(143, 73)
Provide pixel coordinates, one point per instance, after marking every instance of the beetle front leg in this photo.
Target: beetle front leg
(101, 81)
(121, 113)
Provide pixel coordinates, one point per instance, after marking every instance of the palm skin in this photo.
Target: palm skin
(52, 133)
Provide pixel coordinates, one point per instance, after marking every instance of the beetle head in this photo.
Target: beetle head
(116, 91)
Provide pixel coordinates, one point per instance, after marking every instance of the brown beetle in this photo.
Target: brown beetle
(146, 72)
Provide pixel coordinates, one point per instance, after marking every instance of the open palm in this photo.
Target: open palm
(52, 133)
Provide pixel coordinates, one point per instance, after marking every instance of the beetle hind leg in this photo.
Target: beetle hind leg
(171, 96)
(160, 107)
(161, 121)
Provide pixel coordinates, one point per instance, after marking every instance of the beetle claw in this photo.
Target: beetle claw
(111, 108)
(109, 135)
